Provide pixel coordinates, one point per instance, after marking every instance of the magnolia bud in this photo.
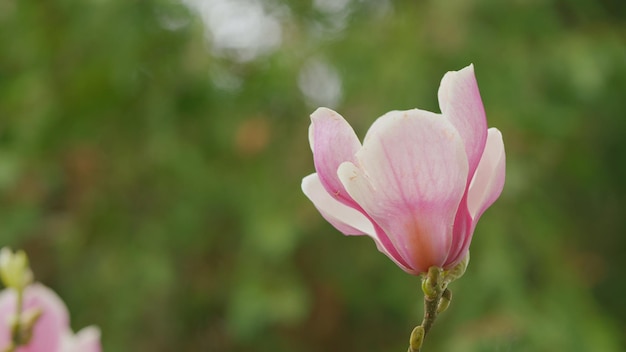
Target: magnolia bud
(417, 338)
(14, 270)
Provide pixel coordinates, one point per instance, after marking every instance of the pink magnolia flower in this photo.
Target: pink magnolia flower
(419, 182)
(51, 332)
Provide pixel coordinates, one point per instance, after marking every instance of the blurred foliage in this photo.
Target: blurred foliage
(154, 181)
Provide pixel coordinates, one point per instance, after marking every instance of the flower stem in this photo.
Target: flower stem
(434, 288)
(430, 312)
(16, 328)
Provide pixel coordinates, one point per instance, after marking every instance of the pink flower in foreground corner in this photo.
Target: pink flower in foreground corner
(419, 182)
(51, 331)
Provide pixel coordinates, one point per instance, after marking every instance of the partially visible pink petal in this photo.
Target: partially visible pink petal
(460, 234)
(86, 340)
(460, 102)
(384, 245)
(332, 141)
(411, 176)
(7, 311)
(347, 220)
(484, 189)
(488, 180)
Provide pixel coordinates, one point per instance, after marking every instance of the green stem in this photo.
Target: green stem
(432, 296)
(430, 313)
(10, 348)
(16, 329)
(432, 285)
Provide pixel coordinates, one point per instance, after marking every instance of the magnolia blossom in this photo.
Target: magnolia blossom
(51, 332)
(419, 182)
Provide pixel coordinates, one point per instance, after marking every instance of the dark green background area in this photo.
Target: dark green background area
(167, 209)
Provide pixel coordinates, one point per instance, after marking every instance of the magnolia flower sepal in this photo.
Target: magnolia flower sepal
(457, 271)
(432, 285)
(444, 302)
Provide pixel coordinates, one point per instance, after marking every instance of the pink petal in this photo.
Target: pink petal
(488, 180)
(7, 311)
(461, 232)
(347, 220)
(484, 189)
(332, 141)
(411, 176)
(460, 102)
(86, 340)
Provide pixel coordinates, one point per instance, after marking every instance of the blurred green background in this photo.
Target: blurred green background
(151, 154)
